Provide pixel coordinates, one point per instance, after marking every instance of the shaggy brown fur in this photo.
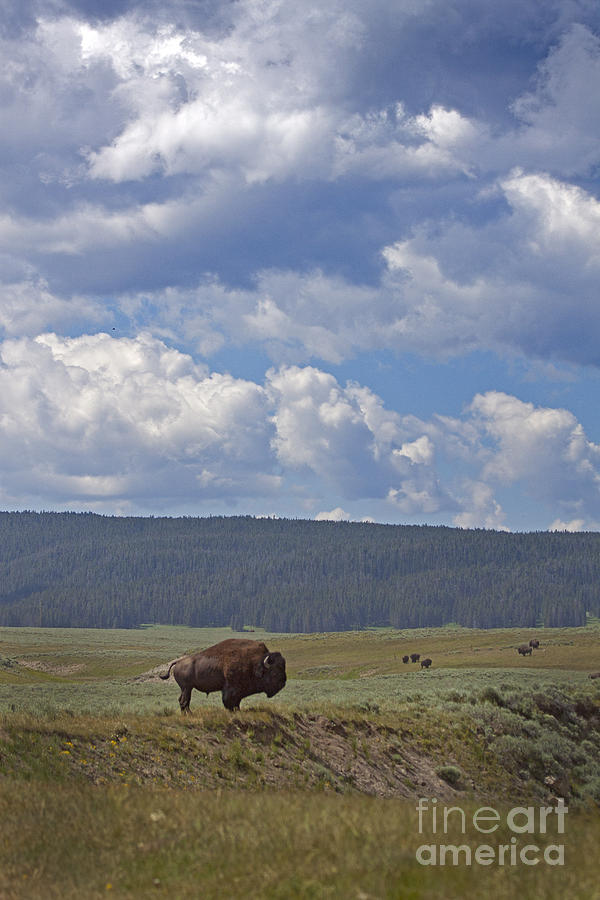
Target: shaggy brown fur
(237, 667)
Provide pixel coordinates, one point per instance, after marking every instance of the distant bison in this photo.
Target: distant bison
(534, 643)
(525, 650)
(237, 667)
(405, 659)
(415, 657)
(425, 663)
(594, 674)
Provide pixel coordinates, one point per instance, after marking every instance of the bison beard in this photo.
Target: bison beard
(236, 667)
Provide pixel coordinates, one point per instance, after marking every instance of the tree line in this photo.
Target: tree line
(87, 570)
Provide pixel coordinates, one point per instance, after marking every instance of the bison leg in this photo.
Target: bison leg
(184, 699)
(231, 698)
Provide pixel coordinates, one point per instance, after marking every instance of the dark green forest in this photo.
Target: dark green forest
(86, 570)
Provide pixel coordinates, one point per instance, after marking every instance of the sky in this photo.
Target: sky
(316, 260)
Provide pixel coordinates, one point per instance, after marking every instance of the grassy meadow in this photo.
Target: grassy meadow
(96, 670)
(106, 790)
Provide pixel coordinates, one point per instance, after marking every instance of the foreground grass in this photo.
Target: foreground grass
(327, 749)
(93, 842)
(105, 790)
(504, 742)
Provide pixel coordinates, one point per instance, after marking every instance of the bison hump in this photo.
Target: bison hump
(237, 647)
(237, 657)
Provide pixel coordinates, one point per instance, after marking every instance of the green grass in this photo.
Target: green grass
(93, 670)
(127, 842)
(106, 790)
(44, 696)
(105, 652)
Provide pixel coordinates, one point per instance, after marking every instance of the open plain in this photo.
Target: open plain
(105, 789)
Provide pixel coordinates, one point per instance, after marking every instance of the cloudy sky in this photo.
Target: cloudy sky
(318, 260)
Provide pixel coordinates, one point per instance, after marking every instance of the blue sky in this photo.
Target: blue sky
(313, 260)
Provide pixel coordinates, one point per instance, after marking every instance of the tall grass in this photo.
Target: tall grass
(86, 842)
(483, 716)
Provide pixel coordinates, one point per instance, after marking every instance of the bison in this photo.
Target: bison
(425, 663)
(405, 659)
(415, 657)
(525, 650)
(594, 675)
(534, 643)
(237, 667)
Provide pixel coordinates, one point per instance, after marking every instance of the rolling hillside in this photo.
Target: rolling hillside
(81, 569)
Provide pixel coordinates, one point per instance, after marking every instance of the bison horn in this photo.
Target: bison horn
(267, 661)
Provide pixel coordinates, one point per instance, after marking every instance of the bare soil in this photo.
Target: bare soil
(39, 666)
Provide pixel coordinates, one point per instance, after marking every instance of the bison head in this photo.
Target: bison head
(273, 676)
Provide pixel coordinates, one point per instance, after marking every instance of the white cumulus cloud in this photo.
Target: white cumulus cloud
(97, 417)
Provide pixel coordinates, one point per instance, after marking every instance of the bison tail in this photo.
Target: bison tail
(164, 677)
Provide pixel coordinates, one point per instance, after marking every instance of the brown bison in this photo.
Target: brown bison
(594, 675)
(237, 667)
(405, 659)
(415, 657)
(425, 663)
(534, 643)
(525, 650)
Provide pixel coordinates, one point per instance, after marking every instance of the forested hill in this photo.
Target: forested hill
(81, 569)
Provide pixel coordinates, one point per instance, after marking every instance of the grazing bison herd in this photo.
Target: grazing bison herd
(415, 657)
(527, 649)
